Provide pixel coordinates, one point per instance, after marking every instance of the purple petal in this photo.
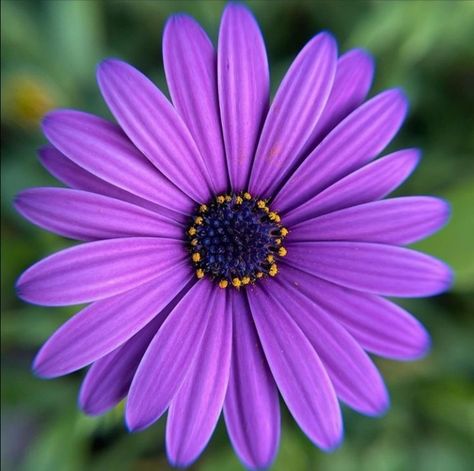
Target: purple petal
(89, 216)
(171, 353)
(355, 378)
(195, 409)
(251, 407)
(354, 74)
(69, 173)
(378, 325)
(154, 126)
(354, 142)
(298, 371)
(369, 183)
(102, 149)
(294, 113)
(190, 66)
(105, 325)
(98, 270)
(393, 221)
(108, 380)
(243, 81)
(375, 268)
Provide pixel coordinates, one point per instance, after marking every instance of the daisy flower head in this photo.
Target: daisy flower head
(233, 250)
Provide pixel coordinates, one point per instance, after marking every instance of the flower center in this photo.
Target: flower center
(236, 239)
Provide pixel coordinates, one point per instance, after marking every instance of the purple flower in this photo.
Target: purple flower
(233, 250)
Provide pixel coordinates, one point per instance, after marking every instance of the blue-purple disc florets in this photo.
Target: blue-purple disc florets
(236, 239)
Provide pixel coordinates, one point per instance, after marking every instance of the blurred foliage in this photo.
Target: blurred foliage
(48, 55)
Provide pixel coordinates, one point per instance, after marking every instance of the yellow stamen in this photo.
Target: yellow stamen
(239, 200)
(278, 241)
(236, 282)
(200, 273)
(277, 218)
(282, 251)
(284, 231)
(223, 284)
(259, 274)
(194, 242)
(247, 196)
(270, 259)
(273, 270)
(273, 216)
(228, 198)
(261, 204)
(198, 220)
(196, 257)
(220, 199)
(192, 231)
(245, 280)
(202, 208)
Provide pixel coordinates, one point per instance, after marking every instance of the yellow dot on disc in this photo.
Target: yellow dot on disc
(196, 257)
(236, 282)
(203, 208)
(200, 273)
(245, 280)
(228, 198)
(259, 274)
(261, 204)
(192, 231)
(223, 284)
(270, 258)
(220, 199)
(194, 242)
(239, 200)
(247, 196)
(282, 251)
(273, 270)
(198, 220)
(284, 231)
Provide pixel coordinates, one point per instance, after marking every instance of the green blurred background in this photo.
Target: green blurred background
(49, 51)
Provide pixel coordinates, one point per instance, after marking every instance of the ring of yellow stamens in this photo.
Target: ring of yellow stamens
(228, 226)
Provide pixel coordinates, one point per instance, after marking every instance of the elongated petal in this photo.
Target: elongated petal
(154, 126)
(69, 173)
(380, 326)
(190, 65)
(393, 221)
(171, 354)
(244, 84)
(370, 183)
(294, 113)
(108, 380)
(354, 74)
(355, 378)
(88, 216)
(101, 148)
(98, 270)
(251, 408)
(195, 409)
(375, 268)
(298, 371)
(105, 325)
(355, 141)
